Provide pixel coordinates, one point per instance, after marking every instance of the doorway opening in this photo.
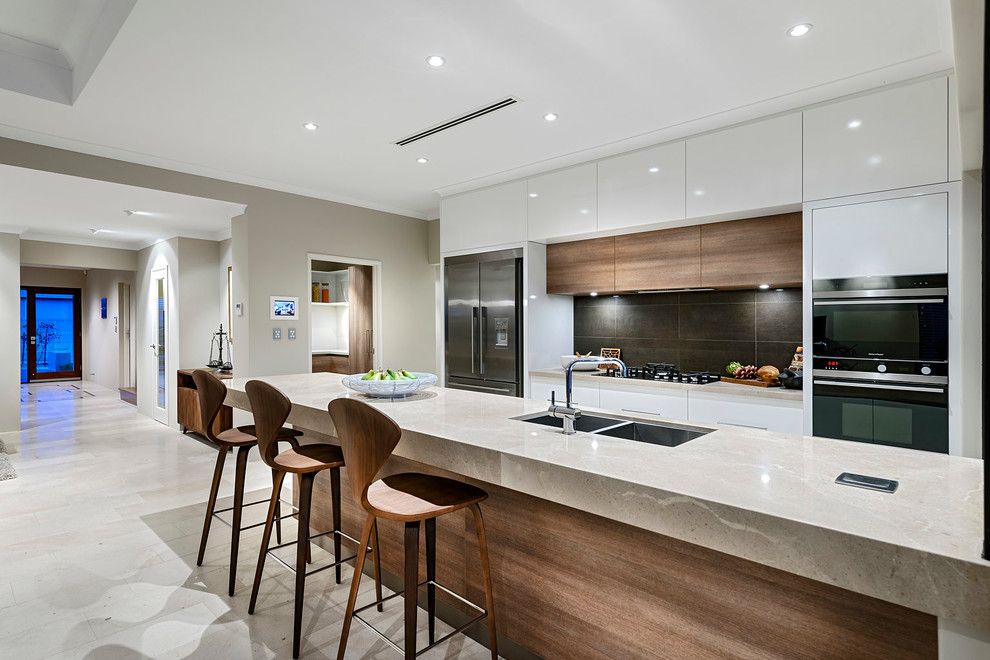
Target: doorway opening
(343, 314)
(126, 372)
(51, 334)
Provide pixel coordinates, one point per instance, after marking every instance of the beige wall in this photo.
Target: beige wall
(198, 299)
(64, 255)
(56, 277)
(10, 332)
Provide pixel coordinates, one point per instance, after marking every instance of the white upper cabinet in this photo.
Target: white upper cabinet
(563, 203)
(904, 236)
(492, 216)
(749, 167)
(641, 188)
(891, 139)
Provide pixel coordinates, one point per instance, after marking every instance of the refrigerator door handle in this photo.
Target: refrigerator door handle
(481, 340)
(474, 317)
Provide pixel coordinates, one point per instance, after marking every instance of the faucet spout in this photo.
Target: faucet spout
(568, 412)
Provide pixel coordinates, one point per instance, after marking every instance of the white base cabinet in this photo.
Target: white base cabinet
(671, 405)
(541, 389)
(727, 410)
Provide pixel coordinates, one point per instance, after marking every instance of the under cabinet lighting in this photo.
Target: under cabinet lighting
(436, 61)
(799, 30)
(593, 294)
(764, 286)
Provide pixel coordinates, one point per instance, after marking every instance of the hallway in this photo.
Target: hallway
(100, 531)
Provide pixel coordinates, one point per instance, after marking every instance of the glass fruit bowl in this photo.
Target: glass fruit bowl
(389, 389)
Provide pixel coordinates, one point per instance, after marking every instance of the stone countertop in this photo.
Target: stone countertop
(766, 497)
(719, 388)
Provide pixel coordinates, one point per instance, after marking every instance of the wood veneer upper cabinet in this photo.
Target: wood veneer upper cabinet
(361, 318)
(664, 259)
(746, 253)
(581, 267)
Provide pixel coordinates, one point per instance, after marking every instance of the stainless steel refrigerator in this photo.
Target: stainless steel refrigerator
(483, 323)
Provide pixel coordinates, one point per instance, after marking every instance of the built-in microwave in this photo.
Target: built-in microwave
(880, 360)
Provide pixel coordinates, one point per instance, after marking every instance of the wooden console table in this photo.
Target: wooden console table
(188, 405)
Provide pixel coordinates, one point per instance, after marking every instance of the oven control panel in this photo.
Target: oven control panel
(881, 366)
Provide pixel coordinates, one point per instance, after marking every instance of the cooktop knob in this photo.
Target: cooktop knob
(882, 368)
(926, 370)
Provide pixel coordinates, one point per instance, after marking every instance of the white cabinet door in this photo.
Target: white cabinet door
(482, 218)
(727, 410)
(749, 167)
(641, 188)
(892, 139)
(671, 404)
(905, 236)
(563, 203)
(583, 396)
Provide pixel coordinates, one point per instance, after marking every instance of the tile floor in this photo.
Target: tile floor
(99, 537)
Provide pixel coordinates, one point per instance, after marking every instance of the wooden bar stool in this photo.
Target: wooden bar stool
(271, 409)
(367, 438)
(212, 392)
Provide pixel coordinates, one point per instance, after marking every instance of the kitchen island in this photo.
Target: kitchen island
(736, 543)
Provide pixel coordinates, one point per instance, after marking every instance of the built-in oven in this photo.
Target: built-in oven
(880, 360)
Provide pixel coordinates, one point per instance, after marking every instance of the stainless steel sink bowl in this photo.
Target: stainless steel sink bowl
(654, 433)
(586, 423)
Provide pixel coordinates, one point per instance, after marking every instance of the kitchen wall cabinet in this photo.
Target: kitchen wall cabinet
(746, 253)
(483, 218)
(622, 398)
(881, 141)
(641, 188)
(665, 259)
(905, 236)
(563, 203)
(541, 389)
(782, 416)
(748, 167)
(581, 267)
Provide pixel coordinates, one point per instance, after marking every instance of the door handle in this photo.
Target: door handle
(481, 340)
(474, 319)
(879, 386)
(154, 348)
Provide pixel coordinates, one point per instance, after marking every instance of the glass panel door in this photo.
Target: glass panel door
(51, 334)
(159, 294)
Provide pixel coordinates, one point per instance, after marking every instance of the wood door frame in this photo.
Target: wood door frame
(376, 287)
(32, 354)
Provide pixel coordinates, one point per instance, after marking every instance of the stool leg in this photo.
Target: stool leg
(277, 501)
(410, 588)
(369, 524)
(266, 537)
(302, 545)
(211, 504)
(376, 557)
(335, 496)
(431, 575)
(486, 577)
(235, 531)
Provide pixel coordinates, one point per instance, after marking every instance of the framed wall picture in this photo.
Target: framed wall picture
(285, 308)
(103, 308)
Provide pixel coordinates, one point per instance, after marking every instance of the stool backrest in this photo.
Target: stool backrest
(270, 408)
(367, 437)
(211, 392)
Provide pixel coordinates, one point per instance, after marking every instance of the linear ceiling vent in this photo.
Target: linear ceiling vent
(498, 105)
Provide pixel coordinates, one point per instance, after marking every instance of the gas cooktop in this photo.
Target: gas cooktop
(666, 372)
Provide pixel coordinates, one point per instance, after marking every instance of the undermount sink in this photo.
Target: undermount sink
(668, 435)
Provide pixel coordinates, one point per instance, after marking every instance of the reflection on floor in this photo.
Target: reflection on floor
(100, 532)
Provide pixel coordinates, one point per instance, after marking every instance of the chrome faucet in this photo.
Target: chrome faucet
(568, 412)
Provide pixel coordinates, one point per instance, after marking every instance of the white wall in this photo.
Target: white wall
(970, 289)
(10, 332)
(101, 336)
(65, 255)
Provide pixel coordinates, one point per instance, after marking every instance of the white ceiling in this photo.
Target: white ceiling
(45, 206)
(223, 87)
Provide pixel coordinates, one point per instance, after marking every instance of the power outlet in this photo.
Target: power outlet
(276, 334)
(292, 334)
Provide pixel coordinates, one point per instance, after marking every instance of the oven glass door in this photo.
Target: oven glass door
(899, 415)
(890, 329)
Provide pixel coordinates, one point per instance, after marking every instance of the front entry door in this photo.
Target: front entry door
(159, 296)
(51, 333)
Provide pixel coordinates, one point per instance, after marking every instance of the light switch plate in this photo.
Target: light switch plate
(276, 334)
(292, 333)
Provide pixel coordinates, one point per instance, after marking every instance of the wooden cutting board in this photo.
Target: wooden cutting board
(755, 382)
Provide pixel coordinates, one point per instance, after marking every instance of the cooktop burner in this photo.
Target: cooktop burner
(666, 372)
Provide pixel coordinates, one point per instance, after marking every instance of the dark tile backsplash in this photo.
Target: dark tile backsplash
(698, 331)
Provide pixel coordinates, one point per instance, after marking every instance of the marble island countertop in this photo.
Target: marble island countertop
(763, 496)
(721, 387)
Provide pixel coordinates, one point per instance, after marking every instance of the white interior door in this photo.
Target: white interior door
(160, 357)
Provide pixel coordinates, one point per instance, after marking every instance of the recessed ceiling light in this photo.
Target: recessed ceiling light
(585, 211)
(422, 161)
(855, 123)
(436, 61)
(311, 126)
(130, 212)
(593, 294)
(764, 286)
(550, 116)
(699, 192)
(874, 160)
(534, 194)
(654, 170)
(800, 30)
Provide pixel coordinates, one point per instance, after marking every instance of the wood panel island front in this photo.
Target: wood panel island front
(736, 544)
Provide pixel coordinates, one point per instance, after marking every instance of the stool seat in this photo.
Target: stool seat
(309, 458)
(415, 496)
(244, 436)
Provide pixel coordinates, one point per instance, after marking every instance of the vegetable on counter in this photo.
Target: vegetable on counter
(743, 372)
(731, 367)
(389, 374)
